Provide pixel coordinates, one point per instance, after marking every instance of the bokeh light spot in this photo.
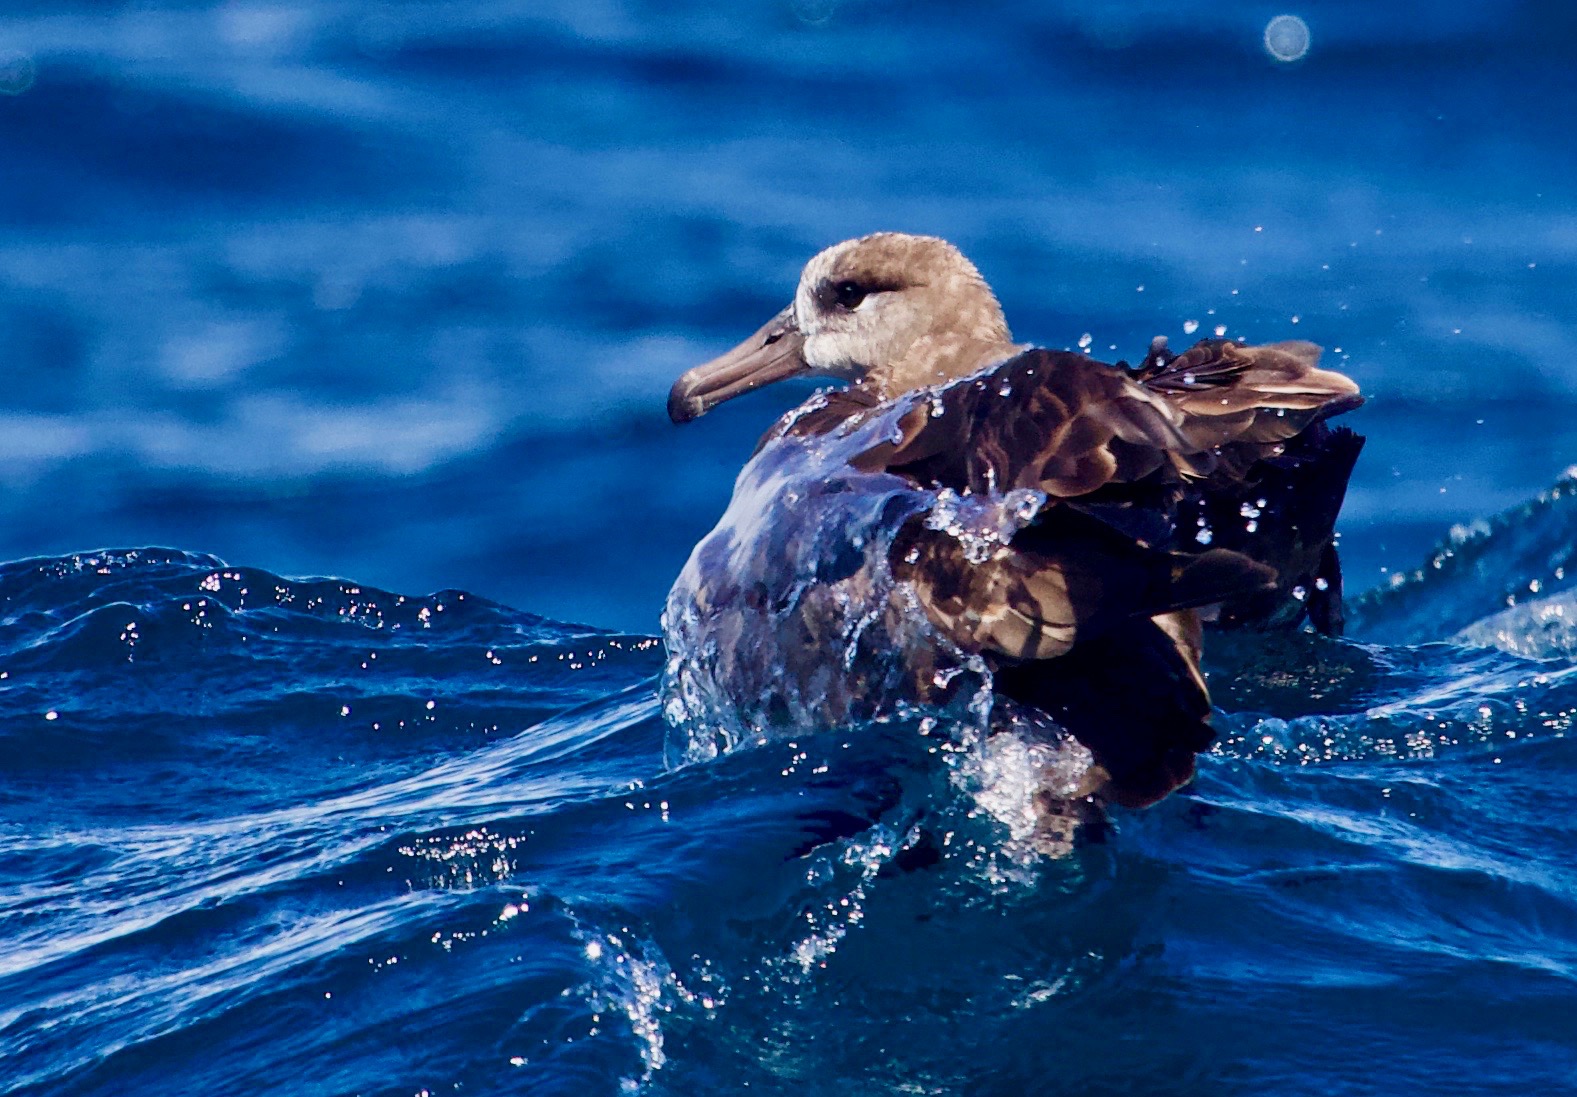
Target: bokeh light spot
(814, 12)
(16, 73)
(1287, 38)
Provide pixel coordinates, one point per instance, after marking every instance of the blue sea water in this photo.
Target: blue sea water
(394, 291)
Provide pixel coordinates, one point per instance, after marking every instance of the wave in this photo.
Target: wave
(418, 842)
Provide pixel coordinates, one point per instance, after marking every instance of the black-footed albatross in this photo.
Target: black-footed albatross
(1055, 526)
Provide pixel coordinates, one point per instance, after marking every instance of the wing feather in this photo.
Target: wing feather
(1073, 427)
(1258, 395)
(1069, 577)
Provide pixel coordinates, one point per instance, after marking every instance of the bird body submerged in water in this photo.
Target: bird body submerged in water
(970, 509)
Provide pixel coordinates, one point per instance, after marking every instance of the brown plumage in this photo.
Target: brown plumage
(1072, 517)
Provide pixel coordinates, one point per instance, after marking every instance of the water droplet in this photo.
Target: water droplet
(1190, 326)
(1085, 340)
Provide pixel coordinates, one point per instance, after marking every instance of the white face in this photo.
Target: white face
(854, 325)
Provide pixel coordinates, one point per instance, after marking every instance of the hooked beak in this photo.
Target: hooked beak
(769, 355)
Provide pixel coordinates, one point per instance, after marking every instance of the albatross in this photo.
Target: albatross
(978, 521)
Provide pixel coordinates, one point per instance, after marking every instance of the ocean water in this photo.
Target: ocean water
(394, 291)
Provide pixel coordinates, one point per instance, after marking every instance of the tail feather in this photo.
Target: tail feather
(1284, 515)
(1216, 575)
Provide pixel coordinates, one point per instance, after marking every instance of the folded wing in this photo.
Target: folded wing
(1088, 608)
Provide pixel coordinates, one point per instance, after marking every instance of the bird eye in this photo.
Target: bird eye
(849, 295)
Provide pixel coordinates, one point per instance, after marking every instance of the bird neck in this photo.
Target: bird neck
(938, 359)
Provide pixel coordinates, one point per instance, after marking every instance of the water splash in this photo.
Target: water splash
(788, 615)
(984, 524)
(1026, 778)
(632, 981)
